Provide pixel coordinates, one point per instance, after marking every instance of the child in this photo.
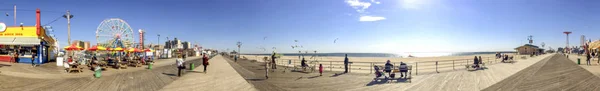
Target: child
(320, 69)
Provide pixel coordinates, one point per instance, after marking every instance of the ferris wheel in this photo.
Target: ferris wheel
(113, 33)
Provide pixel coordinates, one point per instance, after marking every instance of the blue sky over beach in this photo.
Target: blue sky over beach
(366, 26)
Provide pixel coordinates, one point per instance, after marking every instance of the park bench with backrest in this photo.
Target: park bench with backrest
(472, 66)
(392, 74)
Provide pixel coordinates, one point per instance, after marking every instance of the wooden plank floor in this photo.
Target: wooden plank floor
(220, 76)
(138, 80)
(557, 73)
(460, 79)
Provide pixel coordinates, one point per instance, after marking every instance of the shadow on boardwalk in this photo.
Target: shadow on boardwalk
(557, 73)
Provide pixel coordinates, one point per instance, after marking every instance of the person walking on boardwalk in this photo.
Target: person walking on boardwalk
(320, 69)
(588, 56)
(273, 66)
(33, 59)
(266, 69)
(346, 64)
(205, 63)
(180, 65)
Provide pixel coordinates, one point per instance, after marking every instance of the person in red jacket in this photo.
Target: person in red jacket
(205, 62)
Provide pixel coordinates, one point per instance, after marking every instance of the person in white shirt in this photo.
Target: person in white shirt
(180, 65)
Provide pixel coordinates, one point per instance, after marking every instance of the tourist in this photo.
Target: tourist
(588, 56)
(266, 69)
(235, 58)
(33, 59)
(273, 66)
(16, 57)
(476, 62)
(320, 69)
(70, 60)
(346, 61)
(303, 64)
(480, 60)
(205, 63)
(403, 70)
(388, 67)
(180, 65)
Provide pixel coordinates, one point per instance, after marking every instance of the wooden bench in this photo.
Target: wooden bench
(397, 73)
(471, 68)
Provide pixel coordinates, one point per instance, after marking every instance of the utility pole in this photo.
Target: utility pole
(68, 16)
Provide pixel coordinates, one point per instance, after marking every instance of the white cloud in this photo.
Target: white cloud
(361, 8)
(358, 5)
(376, 2)
(371, 18)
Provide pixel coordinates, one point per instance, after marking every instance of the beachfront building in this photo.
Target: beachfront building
(528, 49)
(26, 41)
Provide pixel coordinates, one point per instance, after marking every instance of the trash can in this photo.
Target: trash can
(150, 65)
(192, 66)
(578, 61)
(98, 72)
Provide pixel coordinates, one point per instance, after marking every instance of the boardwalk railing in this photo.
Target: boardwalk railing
(367, 67)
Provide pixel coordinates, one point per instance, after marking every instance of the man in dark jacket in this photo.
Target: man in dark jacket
(205, 62)
(346, 64)
(273, 66)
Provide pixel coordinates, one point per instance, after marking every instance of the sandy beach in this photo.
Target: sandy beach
(376, 59)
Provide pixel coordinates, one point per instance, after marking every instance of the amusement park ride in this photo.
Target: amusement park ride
(113, 33)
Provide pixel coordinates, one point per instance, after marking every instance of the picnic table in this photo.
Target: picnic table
(74, 67)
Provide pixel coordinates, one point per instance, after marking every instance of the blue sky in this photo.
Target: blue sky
(390, 26)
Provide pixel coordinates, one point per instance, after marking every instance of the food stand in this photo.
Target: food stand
(25, 41)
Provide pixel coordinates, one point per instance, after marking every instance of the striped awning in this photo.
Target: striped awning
(19, 41)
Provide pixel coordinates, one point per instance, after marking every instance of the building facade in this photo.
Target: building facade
(528, 49)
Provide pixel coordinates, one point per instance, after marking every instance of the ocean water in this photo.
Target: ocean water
(416, 54)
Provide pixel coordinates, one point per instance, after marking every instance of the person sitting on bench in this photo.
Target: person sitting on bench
(388, 67)
(403, 70)
(303, 64)
(475, 62)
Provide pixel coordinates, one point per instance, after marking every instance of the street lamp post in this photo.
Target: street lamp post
(68, 16)
(239, 44)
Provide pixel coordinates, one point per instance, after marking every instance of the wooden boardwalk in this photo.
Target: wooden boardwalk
(557, 73)
(51, 71)
(460, 79)
(138, 80)
(220, 76)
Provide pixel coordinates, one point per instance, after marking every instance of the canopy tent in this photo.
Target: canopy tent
(73, 47)
(148, 50)
(594, 45)
(96, 48)
(116, 49)
(134, 50)
(20, 41)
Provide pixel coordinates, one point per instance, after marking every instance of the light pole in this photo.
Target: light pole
(68, 16)
(239, 44)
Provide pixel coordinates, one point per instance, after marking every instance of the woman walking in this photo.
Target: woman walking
(180, 65)
(205, 63)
